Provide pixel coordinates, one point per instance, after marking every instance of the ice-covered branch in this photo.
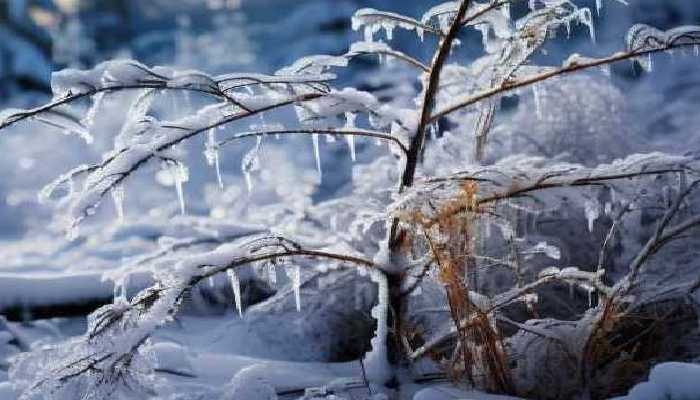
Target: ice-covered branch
(107, 359)
(329, 131)
(690, 37)
(383, 49)
(372, 21)
(505, 181)
(662, 235)
(116, 168)
(428, 96)
(70, 86)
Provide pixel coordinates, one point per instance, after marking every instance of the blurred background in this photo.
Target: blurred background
(217, 36)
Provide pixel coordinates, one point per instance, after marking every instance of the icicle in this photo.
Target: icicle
(696, 50)
(368, 33)
(294, 274)
(272, 275)
(376, 360)
(211, 153)
(591, 209)
(598, 6)
(389, 29)
(236, 286)
(117, 193)
(590, 290)
(351, 144)
(120, 289)
(587, 19)
(211, 281)
(350, 119)
(608, 208)
(251, 163)
(317, 155)
(538, 102)
(505, 10)
(180, 176)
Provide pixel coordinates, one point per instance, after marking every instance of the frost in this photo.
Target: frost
(63, 181)
(89, 119)
(642, 38)
(313, 65)
(66, 123)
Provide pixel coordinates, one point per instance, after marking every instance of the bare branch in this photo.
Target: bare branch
(428, 100)
(662, 235)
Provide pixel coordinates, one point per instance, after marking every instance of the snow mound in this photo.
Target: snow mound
(671, 381)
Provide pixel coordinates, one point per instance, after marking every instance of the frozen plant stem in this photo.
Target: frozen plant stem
(429, 92)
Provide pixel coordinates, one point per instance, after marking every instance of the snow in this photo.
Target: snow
(671, 381)
(24, 290)
(7, 392)
(171, 357)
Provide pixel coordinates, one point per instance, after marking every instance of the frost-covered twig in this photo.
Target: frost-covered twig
(429, 92)
(328, 131)
(662, 235)
(382, 49)
(571, 65)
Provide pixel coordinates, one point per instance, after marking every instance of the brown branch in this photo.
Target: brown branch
(428, 101)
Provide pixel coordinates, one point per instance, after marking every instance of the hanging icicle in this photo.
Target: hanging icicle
(236, 286)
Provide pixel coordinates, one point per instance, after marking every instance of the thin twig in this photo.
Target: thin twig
(579, 66)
